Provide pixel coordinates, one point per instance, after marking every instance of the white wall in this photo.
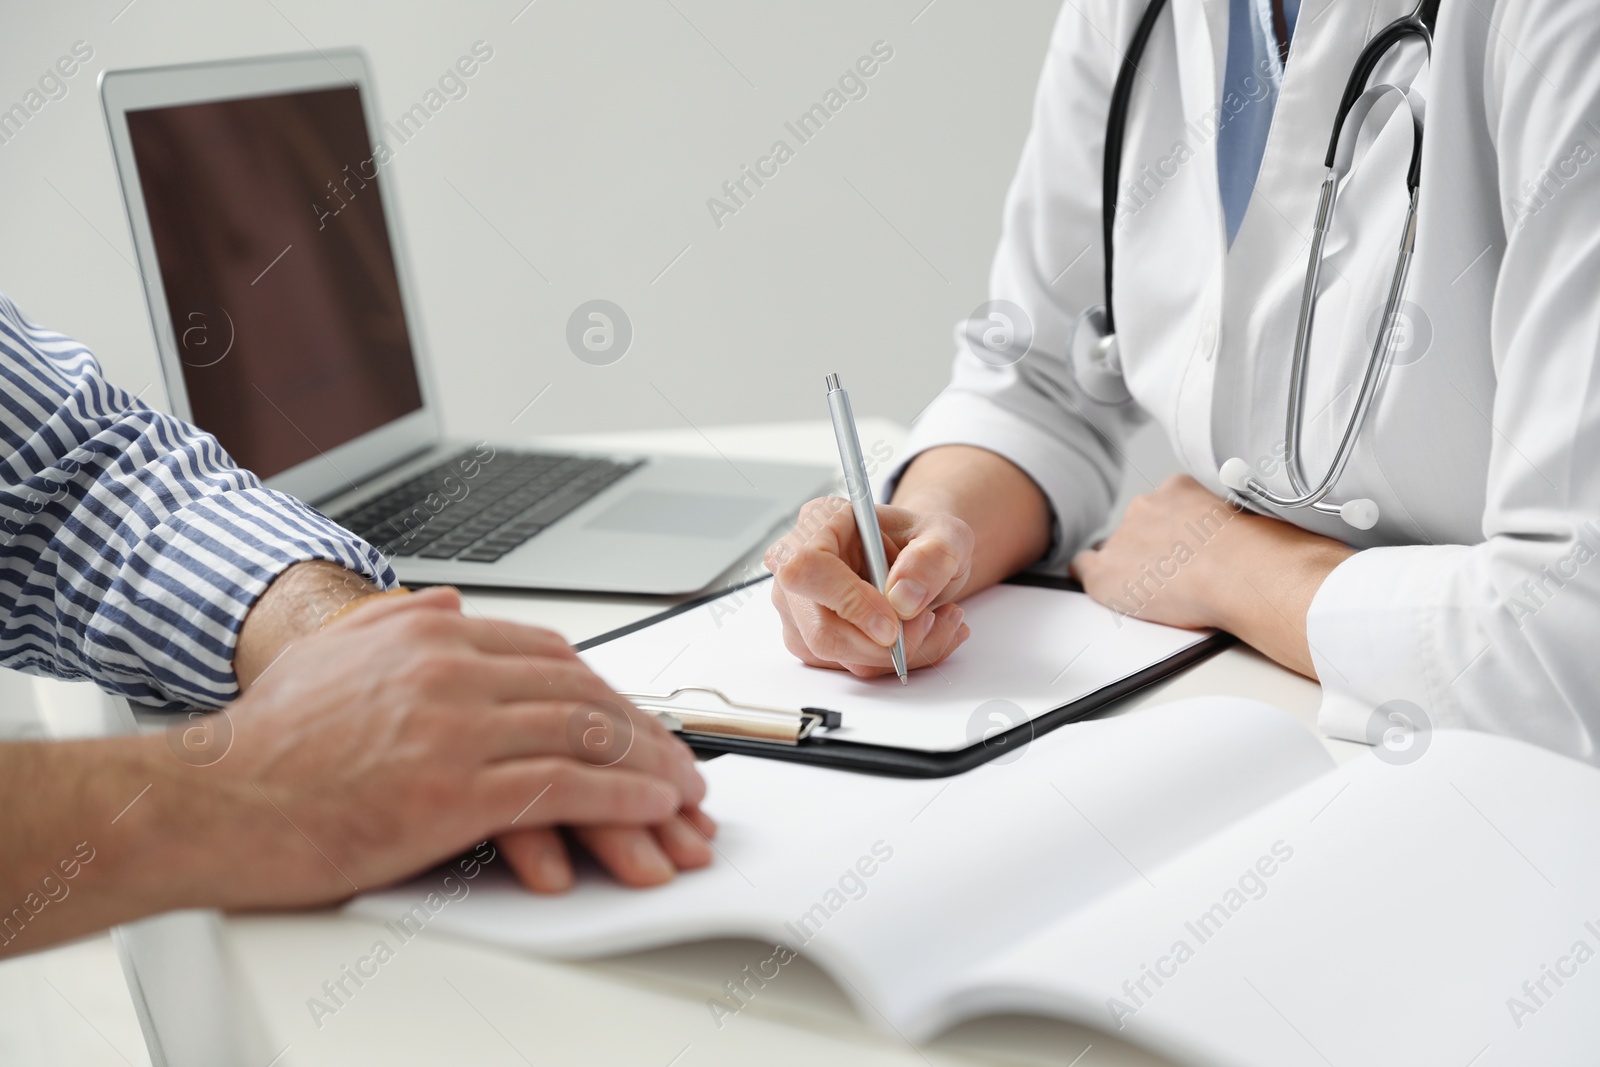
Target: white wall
(592, 141)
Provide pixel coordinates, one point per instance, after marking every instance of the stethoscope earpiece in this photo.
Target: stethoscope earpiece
(1360, 513)
(1235, 474)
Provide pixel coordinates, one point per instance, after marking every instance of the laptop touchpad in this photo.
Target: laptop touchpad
(681, 514)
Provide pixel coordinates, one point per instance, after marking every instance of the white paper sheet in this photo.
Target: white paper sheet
(1035, 649)
(960, 868)
(1442, 911)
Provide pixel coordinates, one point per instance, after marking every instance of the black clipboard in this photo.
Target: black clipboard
(912, 763)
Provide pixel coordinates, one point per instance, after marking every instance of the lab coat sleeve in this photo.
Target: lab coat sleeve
(1504, 635)
(1049, 264)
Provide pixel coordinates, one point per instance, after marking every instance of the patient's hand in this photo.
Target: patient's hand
(406, 732)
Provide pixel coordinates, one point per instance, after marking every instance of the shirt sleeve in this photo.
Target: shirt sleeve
(131, 546)
(1025, 405)
(1500, 635)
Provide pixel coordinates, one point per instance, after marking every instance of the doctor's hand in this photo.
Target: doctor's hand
(1185, 557)
(833, 616)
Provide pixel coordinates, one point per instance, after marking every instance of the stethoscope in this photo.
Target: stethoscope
(1094, 351)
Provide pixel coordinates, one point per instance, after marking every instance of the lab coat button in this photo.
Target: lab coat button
(1208, 340)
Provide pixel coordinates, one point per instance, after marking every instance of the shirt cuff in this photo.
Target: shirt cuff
(1074, 487)
(165, 631)
(1369, 629)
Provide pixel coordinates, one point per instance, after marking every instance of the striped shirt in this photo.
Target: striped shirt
(131, 546)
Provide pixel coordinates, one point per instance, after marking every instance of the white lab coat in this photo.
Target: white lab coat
(1477, 597)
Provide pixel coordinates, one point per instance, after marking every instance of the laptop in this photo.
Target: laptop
(260, 198)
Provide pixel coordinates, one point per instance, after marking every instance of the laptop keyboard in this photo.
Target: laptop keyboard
(513, 497)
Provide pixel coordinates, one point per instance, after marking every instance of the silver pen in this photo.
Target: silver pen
(855, 480)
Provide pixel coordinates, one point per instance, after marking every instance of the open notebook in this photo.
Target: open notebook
(1197, 877)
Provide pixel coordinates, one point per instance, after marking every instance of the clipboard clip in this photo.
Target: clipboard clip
(782, 726)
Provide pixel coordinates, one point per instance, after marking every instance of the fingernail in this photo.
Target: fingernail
(883, 630)
(652, 863)
(907, 596)
(695, 791)
(688, 842)
(554, 872)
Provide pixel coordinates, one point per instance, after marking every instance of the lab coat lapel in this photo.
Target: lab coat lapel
(1201, 32)
(1213, 23)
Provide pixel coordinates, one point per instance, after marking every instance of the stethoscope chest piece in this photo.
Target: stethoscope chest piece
(1097, 358)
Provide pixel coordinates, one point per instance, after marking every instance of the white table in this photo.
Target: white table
(449, 1001)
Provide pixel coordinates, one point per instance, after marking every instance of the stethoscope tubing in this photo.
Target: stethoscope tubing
(1383, 345)
(1356, 103)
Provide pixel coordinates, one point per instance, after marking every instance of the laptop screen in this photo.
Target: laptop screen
(267, 220)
